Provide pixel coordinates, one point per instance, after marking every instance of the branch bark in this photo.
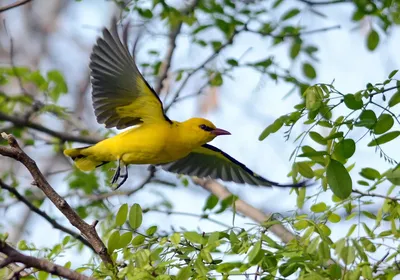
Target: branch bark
(14, 5)
(246, 209)
(14, 256)
(88, 231)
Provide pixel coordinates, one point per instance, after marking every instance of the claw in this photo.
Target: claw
(124, 178)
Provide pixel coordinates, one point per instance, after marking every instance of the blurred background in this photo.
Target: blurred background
(59, 35)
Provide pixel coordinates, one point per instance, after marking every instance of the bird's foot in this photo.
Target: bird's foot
(124, 178)
(116, 175)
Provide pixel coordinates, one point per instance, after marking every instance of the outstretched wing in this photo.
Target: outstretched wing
(121, 96)
(209, 161)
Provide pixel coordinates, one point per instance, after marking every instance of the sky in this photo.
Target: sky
(244, 108)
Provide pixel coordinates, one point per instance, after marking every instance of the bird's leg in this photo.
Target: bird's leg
(124, 178)
(117, 173)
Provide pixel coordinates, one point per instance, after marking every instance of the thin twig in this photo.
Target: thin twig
(375, 195)
(14, 5)
(175, 30)
(88, 231)
(201, 66)
(20, 122)
(41, 264)
(33, 208)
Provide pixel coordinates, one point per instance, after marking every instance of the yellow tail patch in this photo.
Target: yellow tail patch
(86, 164)
(83, 162)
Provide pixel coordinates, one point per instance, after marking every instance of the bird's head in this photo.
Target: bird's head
(203, 130)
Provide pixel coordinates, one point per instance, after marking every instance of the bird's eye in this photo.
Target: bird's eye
(206, 128)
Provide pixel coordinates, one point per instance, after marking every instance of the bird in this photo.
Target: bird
(122, 99)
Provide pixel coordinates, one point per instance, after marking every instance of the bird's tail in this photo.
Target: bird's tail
(83, 161)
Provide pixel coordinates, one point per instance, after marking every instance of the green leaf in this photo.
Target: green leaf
(125, 239)
(184, 273)
(334, 218)
(194, 237)
(151, 230)
(289, 14)
(317, 138)
(113, 241)
(274, 127)
(394, 72)
(42, 275)
(394, 176)
(301, 196)
(138, 240)
(372, 40)
(339, 179)
(135, 216)
(370, 173)
(256, 254)
(367, 119)
(304, 169)
(395, 99)
(146, 13)
(175, 238)
(319, 207)
(232, 62)
(335, 271)
(295, 48)
(217, 80)
(345, 149)
(384, 123)
(211, 202)
(314, 97)
(122, 214)
(58, 85)
(352, 103)
(384, 138)
(309, 71)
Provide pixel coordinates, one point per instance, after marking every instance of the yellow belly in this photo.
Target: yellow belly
(147, 144)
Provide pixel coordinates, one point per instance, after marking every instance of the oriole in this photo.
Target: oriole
(122, 98)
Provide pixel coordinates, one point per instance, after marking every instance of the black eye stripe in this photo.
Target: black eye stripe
(206, 128)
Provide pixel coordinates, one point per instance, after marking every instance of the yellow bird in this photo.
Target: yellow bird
(122, 98)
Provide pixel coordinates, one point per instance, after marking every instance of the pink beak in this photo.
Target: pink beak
(219, 131)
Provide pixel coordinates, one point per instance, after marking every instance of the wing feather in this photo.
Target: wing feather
(210, 162)
(121, 96)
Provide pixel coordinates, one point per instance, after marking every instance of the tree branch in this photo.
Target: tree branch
(20, 122)
(246, 209)
(89, 231)
(171, 47)
(41, 264)
(14, 5)
(322, 3)
(362, 194)
(201, 66)
(33, 208)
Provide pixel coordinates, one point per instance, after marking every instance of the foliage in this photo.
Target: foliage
(143, 251)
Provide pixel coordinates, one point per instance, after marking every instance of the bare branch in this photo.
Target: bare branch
(322, 3)
(362, 194)
(171, 47)
(33, 208)
(60, 135)
(41, 264)
(201, 66)
(89, 232)
(246, 209)
(14, 5)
